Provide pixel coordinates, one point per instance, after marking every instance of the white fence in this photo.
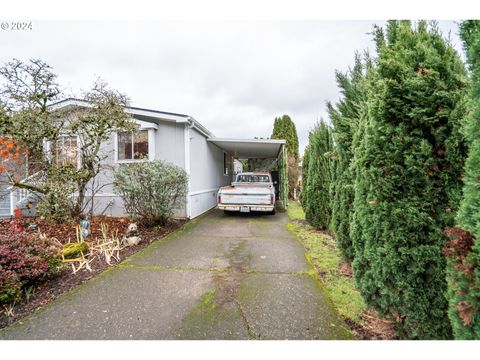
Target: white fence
(15, 195)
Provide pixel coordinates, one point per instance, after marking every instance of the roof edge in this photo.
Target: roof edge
(76, 101)
(258, 141)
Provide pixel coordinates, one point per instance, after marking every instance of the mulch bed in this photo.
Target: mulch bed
(51, 288)
(372, 326)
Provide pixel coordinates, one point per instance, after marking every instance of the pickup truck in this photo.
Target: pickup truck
(251, 191)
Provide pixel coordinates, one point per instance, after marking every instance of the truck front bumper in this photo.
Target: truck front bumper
(264, 208)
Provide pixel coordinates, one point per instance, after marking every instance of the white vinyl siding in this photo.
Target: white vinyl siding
(207, 166)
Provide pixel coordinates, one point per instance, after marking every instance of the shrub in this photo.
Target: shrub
(303, 192)
(345, 117)
(56, 204)
(10, 287)
(151, 191)
(408, 164)
(28, 267)
(293, 173)
(25, 260)
(317, 203)
(284, 128)
(464, 261)
(462, 252)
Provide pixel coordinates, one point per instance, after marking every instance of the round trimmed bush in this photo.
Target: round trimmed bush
(152, 190)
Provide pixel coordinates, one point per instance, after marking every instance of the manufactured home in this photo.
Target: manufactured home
(209, 161)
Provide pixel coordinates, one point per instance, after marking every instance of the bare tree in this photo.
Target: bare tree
(37, 128)
(94, 125)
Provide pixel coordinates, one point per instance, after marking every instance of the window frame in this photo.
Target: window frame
(54, 157)
(151, 146)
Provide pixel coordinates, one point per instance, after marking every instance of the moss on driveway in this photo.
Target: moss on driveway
(220, 277)
(323, 254)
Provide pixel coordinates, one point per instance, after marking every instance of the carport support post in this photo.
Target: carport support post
(188, 204)
(283, 175)
(285, 172)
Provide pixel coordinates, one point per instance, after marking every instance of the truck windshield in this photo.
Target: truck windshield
(253, 178)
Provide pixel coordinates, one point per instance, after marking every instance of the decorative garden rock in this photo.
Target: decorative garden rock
(32, 227)
(132, 236)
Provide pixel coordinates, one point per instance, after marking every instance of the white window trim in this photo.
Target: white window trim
(151, 146)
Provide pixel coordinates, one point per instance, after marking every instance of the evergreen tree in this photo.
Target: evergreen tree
(317, 204)
(408, 167)
(303, 193)
(284, 128)
(464, 250)
(345, 116)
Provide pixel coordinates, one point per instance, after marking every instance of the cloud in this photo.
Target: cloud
(234, 77)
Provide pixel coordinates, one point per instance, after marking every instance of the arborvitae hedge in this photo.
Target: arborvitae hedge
(464, 250)
(345, 116)
(317, 205)
(408, 169)
(284, 128)
(303, 193)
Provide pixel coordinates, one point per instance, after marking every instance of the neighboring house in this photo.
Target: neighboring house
(4, 202)
(177, 138)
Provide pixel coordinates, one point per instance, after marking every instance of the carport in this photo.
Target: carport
(259, 149)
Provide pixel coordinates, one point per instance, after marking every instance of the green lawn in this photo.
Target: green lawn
(295, 211)
(323, 254)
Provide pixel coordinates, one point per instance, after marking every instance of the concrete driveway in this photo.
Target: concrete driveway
(221, 277)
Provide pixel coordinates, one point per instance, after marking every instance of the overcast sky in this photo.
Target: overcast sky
(233, 77)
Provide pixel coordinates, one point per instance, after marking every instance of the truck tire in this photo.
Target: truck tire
(226, 212)
(272, 212)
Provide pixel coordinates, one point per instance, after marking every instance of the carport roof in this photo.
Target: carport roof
(250, 148)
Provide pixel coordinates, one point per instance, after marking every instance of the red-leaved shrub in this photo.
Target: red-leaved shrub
(10, 286)
(24, 260)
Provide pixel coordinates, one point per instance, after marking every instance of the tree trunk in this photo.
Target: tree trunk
(28, 187)
(78, 207)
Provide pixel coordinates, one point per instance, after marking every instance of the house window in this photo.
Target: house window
(133, 145)
(66, 150)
